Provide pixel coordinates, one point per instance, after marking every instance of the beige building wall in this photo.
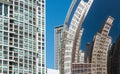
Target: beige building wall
(81, 68)
(100, 48)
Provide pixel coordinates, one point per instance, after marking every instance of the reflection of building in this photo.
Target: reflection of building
(81, 56)
(72, 34)
(57, 44)
(81, 68)
(88, 53)
(100, 48)
(114, 58)
(22, 37)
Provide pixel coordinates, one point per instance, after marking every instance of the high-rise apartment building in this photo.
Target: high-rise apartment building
(72, 34)
(114, 58)
(101, 43)
(22, 37)
(57, 45)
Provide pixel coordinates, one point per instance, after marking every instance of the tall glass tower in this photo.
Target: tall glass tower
(22, 37)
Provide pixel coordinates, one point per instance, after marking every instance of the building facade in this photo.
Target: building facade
(22, 37)
(81, 68)
(114, 59)
(71, 35)
(81, 57)
(101, 43)
(57, 45)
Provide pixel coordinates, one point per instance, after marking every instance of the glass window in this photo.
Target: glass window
(6, 40)
(5, 28)
(21, 23)
(5, 48)
(6, 10)
(0, 62)
(0, 54)
(0, 8)
(0, 37)
(5, 62)
(5, 24)
(16, 22)
(0, 27)
(16, 3)
(16, 8)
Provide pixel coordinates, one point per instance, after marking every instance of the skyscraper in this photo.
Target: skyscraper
(72, 35)
(101, 43)
(22, 37)
(57, 45)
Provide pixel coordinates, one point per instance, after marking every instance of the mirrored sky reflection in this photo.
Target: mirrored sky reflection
(100, 10)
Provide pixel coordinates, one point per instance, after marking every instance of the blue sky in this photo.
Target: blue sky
(56, 11)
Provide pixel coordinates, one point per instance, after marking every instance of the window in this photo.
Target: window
(6, 40)
(6, 34)
(5, 24)
(0, 9)
(6, 10)
(16, 3)
(21, 4)
(0, 62)
(16, 8)
(0, 37)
